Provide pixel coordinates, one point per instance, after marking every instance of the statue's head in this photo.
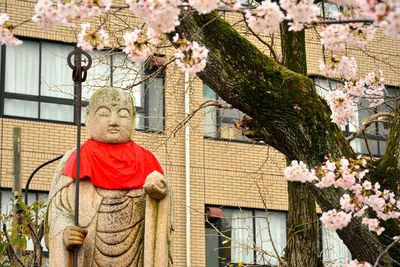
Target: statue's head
(110, 116)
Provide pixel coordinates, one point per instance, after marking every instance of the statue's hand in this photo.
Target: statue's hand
(156, 185)
(74, 236)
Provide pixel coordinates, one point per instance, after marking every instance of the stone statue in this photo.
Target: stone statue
(124, 206)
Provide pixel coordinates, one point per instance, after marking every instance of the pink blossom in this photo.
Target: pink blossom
(204, 6)
(297, 171)
(46, 16)
(88, 40)
(266, 18)
(334, 220)
(302, 11)
(342, 107)
(373, 225)
(138, 46)
(190, 56)
(354, 263)
(161, 15)
(339, 66)
(6, 36)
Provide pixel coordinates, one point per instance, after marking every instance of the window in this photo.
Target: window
(328, 10)
(242, 230)
(377, 134)
(36, 83)
(334, 250)
(221, 123)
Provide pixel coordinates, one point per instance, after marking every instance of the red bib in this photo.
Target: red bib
(120, 166)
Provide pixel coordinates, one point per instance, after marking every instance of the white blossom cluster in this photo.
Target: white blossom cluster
(6, 36)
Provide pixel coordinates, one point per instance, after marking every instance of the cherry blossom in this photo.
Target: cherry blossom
(349, 174)
(6, 36)
(46, 16)
(334, 220)
(354, 263)
(341, 106)
(375, 83)
(204, 6)
(373, 225)
(344, 67)
(190, 56)
(335, 37)
(302, 11)
(88, 40)
(160, 15)
(138, 46)
(297, 171)
(266, 18)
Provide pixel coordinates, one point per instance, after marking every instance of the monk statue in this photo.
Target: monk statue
(124, 206)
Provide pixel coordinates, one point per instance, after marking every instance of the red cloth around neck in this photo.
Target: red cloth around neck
(119, 166)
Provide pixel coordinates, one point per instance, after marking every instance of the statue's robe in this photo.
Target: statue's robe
(125, 227)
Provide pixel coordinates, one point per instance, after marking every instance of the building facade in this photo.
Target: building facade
(228, 176)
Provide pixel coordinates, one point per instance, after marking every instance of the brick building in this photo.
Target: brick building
(226, 171)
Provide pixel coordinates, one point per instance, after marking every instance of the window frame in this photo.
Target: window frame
(218, 224)
(71, 101)
(34, 98)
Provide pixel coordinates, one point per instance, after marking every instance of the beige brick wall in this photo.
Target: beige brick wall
(222, 173)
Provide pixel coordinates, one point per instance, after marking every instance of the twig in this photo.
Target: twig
(366, 144)
(271, 49)
(36, 238)
(208, 103)
(367, 123)
(385, 251)
(11, 247)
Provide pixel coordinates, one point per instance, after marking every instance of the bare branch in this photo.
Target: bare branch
(271, 49)
(36, 239)
(11, 248)
(386, 251)
(372, 119)
(208, 103)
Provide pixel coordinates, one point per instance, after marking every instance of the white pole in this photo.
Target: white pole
(187, 172)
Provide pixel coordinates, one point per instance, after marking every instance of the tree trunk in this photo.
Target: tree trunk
(302, 245)
(284, 105)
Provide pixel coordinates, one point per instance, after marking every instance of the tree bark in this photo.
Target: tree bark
(284, 106)
(302, 245)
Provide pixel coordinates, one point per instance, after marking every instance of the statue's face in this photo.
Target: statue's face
(109, 119)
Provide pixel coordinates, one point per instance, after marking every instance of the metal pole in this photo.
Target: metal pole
(78, 105)
(79, 74)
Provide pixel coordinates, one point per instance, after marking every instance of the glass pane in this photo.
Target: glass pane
(139, 121)
(56, 75)
(210, 114)
(7, 199)
(242, 236)
(212, 248)
(359, 145)
(83, 115)
(20, 108)
(334, 251)
(56, 112)
(156, 104)
(99, 75)
(126, 73)
(382, 147)
(22, 68)
(277, 227)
